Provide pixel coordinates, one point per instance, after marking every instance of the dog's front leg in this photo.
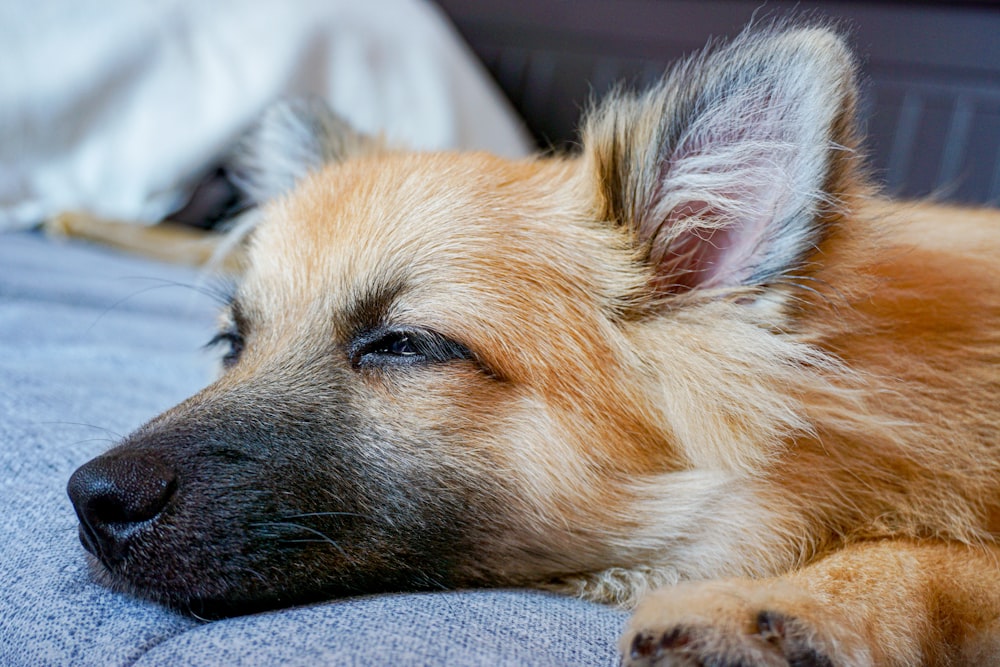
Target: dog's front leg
(874, 603)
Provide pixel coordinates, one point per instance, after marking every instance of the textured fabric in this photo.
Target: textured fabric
(91, 345)
(112, 108)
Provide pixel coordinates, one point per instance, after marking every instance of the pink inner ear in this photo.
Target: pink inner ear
(686, 256)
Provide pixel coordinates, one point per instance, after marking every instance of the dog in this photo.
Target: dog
(701, 368)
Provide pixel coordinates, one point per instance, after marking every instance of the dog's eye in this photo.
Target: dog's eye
(404, 348)
(401, 345)
(231, 342)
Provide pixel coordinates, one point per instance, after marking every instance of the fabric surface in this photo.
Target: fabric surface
(114, 108)
(91, 345)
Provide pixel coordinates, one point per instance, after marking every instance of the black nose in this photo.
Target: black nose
(115, 496)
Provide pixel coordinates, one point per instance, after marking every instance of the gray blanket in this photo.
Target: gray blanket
(92, 344)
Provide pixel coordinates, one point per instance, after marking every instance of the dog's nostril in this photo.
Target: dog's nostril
(113, 494)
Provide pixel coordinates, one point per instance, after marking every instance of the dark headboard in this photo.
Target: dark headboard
(931, 71)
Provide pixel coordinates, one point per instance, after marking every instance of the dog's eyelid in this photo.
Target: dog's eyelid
(237, 316)
(234, 339)
(404, 347)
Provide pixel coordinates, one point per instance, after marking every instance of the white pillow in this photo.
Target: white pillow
(114, 107)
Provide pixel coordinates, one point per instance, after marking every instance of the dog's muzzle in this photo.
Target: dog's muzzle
(116, 497)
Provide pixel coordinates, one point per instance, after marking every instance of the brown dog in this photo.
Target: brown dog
(700, 359)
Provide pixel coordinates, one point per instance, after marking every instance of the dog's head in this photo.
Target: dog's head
(447, 370)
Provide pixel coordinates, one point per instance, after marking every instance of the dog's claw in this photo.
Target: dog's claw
(771, 626)
(647, 646)
(642, 646)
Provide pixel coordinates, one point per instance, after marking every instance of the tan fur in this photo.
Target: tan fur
(806, 467)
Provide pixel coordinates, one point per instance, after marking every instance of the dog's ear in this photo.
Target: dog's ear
(727, 171)
(293, 138)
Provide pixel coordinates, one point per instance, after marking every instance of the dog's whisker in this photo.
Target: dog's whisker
(119, 302)
(432, 582)
(323, 537)
(221, 293)
(86, 440)
(256, 574)
(117, 436)
(190, 610)
(307, 515)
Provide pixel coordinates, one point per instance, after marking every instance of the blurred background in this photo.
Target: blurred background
(931, 71)
(131, 110)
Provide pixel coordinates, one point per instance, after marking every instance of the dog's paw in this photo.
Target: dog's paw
(777, 640)
(722, 624)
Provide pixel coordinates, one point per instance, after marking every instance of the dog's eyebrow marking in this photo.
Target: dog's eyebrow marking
(370, 309)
